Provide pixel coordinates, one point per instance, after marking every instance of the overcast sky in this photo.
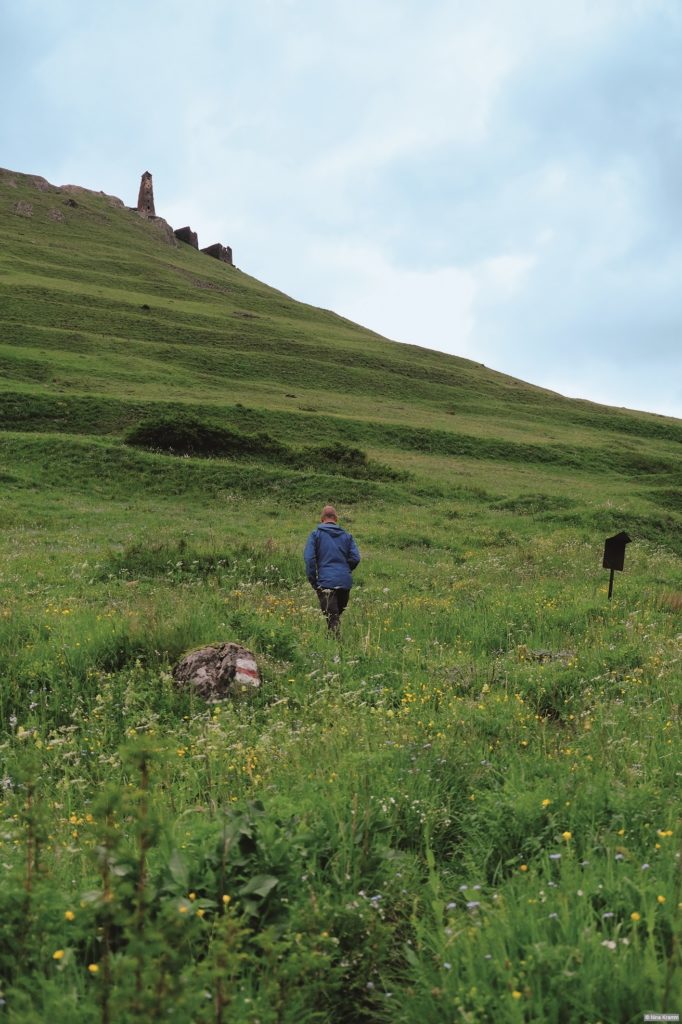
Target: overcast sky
(499, 179)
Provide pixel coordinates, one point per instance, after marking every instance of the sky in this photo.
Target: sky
(499, 179)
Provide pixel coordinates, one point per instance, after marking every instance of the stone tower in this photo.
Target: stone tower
(145, 199)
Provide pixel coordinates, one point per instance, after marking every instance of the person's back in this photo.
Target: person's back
(333, 552)
(330, 556)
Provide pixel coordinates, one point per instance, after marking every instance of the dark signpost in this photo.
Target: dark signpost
(614, 555)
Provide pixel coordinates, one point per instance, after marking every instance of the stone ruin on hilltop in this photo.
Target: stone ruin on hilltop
(145, 207)
(145, 198)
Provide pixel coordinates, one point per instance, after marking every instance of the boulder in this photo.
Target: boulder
(219, 671)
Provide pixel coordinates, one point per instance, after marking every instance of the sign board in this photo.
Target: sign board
(614, 555)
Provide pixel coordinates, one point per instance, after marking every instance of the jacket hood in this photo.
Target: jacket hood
(333, 528)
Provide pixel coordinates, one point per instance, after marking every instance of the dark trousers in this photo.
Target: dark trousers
(332, 603)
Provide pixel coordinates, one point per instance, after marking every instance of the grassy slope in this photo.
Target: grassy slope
(440, 729)
(74, 322)
(104, 320)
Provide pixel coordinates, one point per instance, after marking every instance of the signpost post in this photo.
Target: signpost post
(614, 555)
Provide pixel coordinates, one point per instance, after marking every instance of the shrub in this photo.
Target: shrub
(188, 435)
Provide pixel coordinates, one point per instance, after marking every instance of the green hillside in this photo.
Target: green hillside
(466, 810)
(105, 319)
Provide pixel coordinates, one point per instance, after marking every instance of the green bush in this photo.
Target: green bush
(188, 435)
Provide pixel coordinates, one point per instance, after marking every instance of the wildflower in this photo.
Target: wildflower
(447, 966)
(645, 867)
(226, 898)
(192, 896)
(660, 899)
(634, 916)
(182, 908)
(516, 994)
(609, 943)
(69, 915)
(451, 906)
(93, 968)
(523, 867)
(58, 954)
(566, 836)
(619, 856)
(553, 917)
(546, 803)
(200, 912)
(555, 856)
(608, 915)
(473, 905)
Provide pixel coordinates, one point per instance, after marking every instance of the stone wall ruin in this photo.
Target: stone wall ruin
(188, 236)
(219, 252)
(145, 207)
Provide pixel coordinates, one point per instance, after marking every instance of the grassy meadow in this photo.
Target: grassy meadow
(467, 809)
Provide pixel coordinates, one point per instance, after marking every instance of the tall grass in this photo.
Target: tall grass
(462, 812)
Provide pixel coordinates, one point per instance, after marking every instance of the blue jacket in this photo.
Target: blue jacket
(330, 556)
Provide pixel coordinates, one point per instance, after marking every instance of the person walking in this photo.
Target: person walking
(330, 556)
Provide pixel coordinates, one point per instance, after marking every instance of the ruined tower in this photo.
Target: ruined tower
(145, 199)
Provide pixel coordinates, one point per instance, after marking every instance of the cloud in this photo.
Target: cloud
(398, 303)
